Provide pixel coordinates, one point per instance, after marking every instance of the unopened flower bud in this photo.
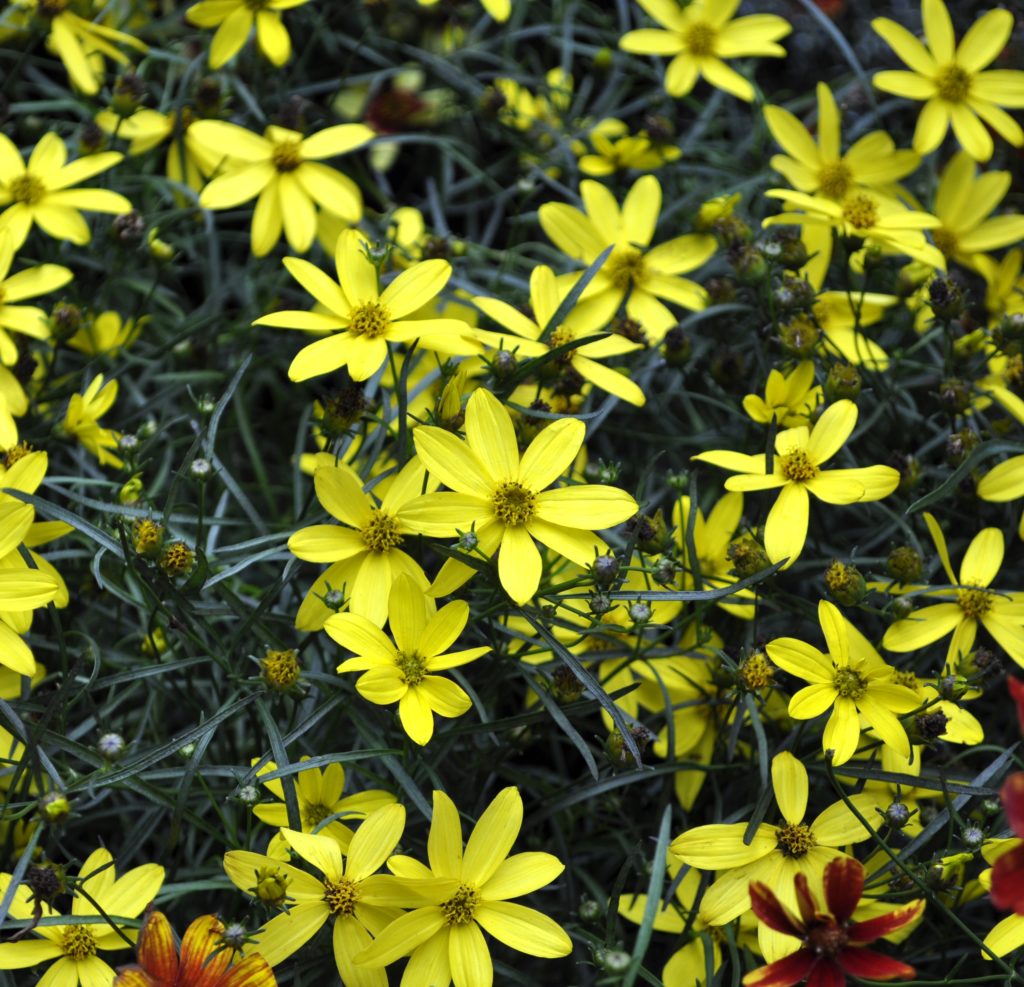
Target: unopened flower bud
(904, 565)
(604, 570)
(901, 607)
(747, 556)
(248, 795)
(128, 228)
(147, 537)
(960, 445)
(200, 468)
(503, 364)
(177, 559)
(845, 583)
(590, 910)
(946, 298)
(54, 807)
(600, 603)
(615, 961)
(799, 335)
(467, 542)
(897, 815)
(972, 836)
(565, 686)
(640, 612)
(843, 381)
(271, 885)
(676, 348)
(110, 746)
(281, 669)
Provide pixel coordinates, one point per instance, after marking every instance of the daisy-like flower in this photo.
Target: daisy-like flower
(964, 203)
(583, 322)
(106, 334)
(797, 464)
(203, 958)
(503, 498)
(82, 420)
(701, 35)
(285, 171)
(469, 892)
(841, 316)
(776, 854)
(950, 78)
(15, 288)
(789, 398)
(235, 19)
(616, 149)
(75, 947)
(647, 275)
(362, 319)
(970, 601)
(81, 44)
(366, 555)
(40, 192)
(851, 679)
(831, 945)
(404, 670)
(350, 891)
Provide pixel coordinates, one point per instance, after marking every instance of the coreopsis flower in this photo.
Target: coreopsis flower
(364, 552)
(284, 172)
(468, 893)
(13, 405)
(405, 670)
(701, 35)
(970, 600)
(1004, 284)
(1007, 888)
(235, 20)
(106, 334)
(319, 793)
(776, 853)
(841, 316)
(75, 948)
(616, 149)
(584, 321)
(851, 679)
(361, 319)
(964, 202)
(80, 43)
(82, 420)
(797, 464)
(950, 78)
(831, 945)
(503, 498)
(204, 958)
(350, 891)
(525, 110)
(15, 288)
(789, 398)
(40, 191)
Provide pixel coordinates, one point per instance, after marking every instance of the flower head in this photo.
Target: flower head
(82, 420)
(235, 19)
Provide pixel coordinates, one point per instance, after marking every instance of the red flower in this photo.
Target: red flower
(204, 962)
(833, 946)
(1008, 870)
(1016, 687)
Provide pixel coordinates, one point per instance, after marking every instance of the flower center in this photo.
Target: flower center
(699, 38)
(315, 813)
(341, 896)
(795, 839)
(513, 504)
(827, 939)
(797, 466)
(78, 942)
(974, 602)
(860, 212)
(757, 672)
(903, 677)
(849, 683)
(286, 156)
(953, 83)
(380, 533)
(946, 241)
(459, 908)
(835, 180)
(626, 267)
(370, 320)
(560, 337)
(26, 188)
(412, 666)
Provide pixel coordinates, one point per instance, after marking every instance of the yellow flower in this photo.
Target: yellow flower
(950, 78)
(700, 36)
(75, 947)
(999, 612)
(284, 170)
(503, 498)
(235, 19)
(365, 555)
(964, 202)
(40, 192)
(350, 892)
(616, 149)
(523, 110)
(362, 319)
(469, 891)
(840, 315)
(78, 42)
(646, 274)
(1003, 483)
(851, 679)
(403, 671)
(1004, 284)
(82, 420)
(583, 322)
(790, 399)
(107, 334)
(796, 468)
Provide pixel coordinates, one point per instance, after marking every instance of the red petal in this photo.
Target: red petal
(202, 962)
(251, 972)
(157, 953)
(786, 972)
(135, 976)
(772, 912)
(1016, 687)
(805, 900)
(844, 884)
(826, 974)
(1008, 880)
(1012, 797)
(866, 964)
(882, 925)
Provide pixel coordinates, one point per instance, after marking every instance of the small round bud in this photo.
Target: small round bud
(503, 364)
(234, 936)
(991, 807)
(600, 604)
(565, 686)
(640, 612)
(147, 429)
(960, 445)
(747, 261)
(200, 468)
(676, 348)
(281, 669)
(980, 662)
(952, 687)
(843, 381)
(901, 607)
(132, 491)
(205, 404)
(603, 59)
(248, 795)
(147, 537)
(904, 565)
(492, 101)
(128, 443)
(659, 128)
(604, 570)
(128, 228)
(972, 836)
(92, 139)
(65, 320)
(468, 541)
(615, 961)
(617, 750)
(945, 298)
(757, 672)
(54, 807)
(897, 815)
(954, 395)
(665, 570)
(271, 885)
(334, 599)
(590, 910)
(186, 751)
(341, 410)
(110, 746)
(845, 583)
(747, 556)
(721, 291)
(799, 335)
(177, 559)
